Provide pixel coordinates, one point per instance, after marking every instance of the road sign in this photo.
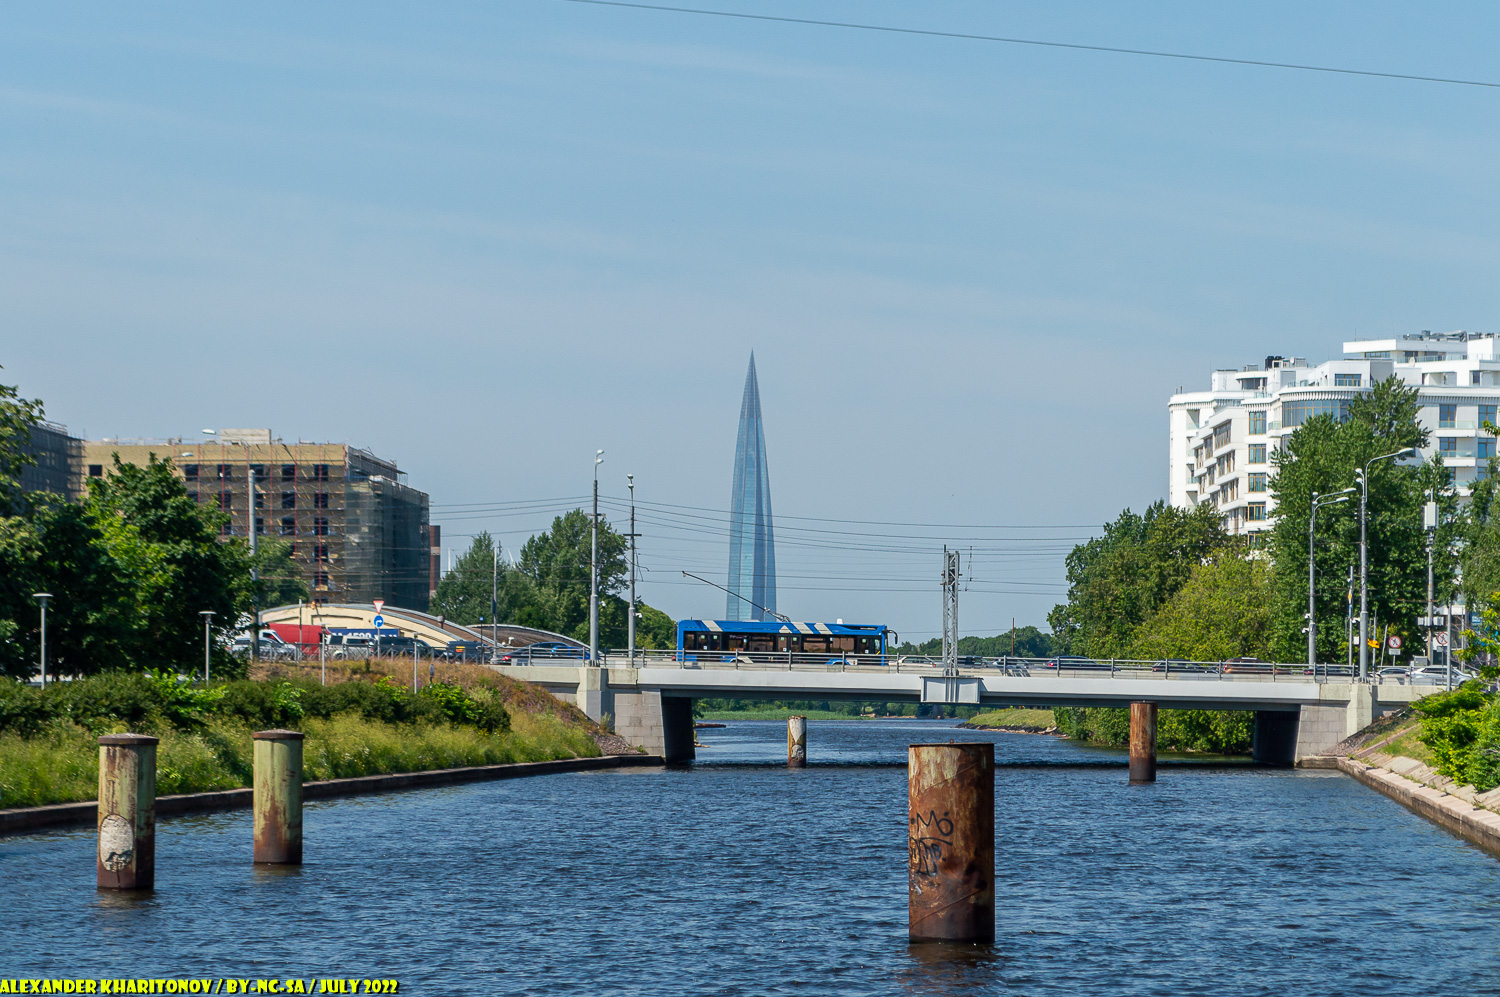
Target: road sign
(1440, 639)
(1394, 642)
(1432, 621)
(379, 604)
(379, 621)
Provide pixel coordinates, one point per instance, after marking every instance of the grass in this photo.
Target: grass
(1408, 746)
(61, 764)
(1015, 717)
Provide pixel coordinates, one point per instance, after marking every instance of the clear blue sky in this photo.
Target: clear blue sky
(486, 239)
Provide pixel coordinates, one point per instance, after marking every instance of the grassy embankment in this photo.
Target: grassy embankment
(365, 723)
(1016, 718)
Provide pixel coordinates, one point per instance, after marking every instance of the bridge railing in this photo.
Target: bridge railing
(1055, 667)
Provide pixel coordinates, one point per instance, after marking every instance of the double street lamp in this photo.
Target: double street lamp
(208, 618)
(1312, 608)
(594, 569)
(1362, 475)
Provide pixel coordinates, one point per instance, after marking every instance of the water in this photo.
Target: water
(741, 877)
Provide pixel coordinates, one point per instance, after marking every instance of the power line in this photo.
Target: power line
(1001, 39)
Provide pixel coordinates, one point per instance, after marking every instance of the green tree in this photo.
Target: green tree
(1322, 456)
(167, 548)
(1224, 611)
(17, 418)
(464, 594)
(279, 580)
(1117, 580)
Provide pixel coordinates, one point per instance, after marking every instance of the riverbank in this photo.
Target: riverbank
(1016, 720)
(366, 725)
(19, 820)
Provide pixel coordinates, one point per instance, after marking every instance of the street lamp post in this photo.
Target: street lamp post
(208, 619)
(1363, 476)
(630, 629)
(1312, 608)
(42, 598)
(594, 568)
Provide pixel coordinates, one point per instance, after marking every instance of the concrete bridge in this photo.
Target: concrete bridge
(1296, 715)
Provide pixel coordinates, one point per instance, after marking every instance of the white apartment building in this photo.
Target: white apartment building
(1221, 440)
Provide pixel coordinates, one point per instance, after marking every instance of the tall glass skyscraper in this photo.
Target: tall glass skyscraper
(752, 545)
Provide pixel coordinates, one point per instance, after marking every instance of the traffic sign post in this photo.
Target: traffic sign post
(1440, 639)
(379, 621)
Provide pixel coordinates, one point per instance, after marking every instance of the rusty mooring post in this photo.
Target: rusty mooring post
(796, 742)
(951, 842)
(1142, 742)
(278, 797)
(127, 812)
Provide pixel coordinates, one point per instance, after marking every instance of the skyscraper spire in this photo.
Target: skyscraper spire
(752, 544)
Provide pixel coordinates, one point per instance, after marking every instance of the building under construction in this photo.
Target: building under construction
(355, 529)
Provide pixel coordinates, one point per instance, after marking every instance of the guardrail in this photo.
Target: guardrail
(1056, 667)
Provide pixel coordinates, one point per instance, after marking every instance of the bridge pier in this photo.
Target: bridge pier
(677, 729)
(1275, 741)
(796, 742)
(1142, 743)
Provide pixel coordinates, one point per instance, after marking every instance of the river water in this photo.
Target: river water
(740, 877)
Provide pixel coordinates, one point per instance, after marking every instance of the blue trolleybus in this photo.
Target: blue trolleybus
(726, 640)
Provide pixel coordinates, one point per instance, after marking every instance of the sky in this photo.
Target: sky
(487, 239)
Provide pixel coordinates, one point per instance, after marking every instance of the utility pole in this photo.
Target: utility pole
(950, 611)
(1363, 475)
(1349, 620)
(1429, 524)
(495, 603)
(630, 630)
(594, 569)
(254, 570)
(1312, 608)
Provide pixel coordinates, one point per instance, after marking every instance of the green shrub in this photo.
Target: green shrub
(1462, 728)
(22, 708)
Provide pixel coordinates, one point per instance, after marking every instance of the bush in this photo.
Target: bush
(1462, 728)
(1219, 732)
(22, 709)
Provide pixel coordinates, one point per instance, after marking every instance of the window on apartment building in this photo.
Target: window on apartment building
(1255, 511)
(1295, 413)
(288, 526)
(260, 500)
(1232, 490)
(1346, 380)
(1256, 481)
(260, 471)
(260, 525)
(1486, 415)
(1486, 448)
(190, 472)
(1482, 472)
(225, 530)
(1226, 463)
(193, 495)
(1221, 435)
(224, 471)
(289, 500)
(1473, 377)
(288, 472)
(96, 470)
(320, 500)
(1448, 445)
(320, 526)
(1255, 453)
(320, 579)
(320, 472)
(226, 499)
(1446, 416)
(1257, 422)
(1448, 475)
(321, 552)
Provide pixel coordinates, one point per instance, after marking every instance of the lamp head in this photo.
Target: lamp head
(41, 596)
(598, 456)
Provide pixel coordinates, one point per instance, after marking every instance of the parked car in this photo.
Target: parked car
(466, 650)
(1438, 675)
(342, 647)
(399, 646)
(1397, 674)
(270, 647)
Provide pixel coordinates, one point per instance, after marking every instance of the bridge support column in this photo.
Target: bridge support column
(1361, 712)
(1142, 742)
(593, 692)
(677, 729)
(1275, 737)
(950, 842)
(127, 812)
(796, 742)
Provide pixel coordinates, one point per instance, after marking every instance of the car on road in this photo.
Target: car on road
(466, 650)
(1438, 675)
(1251, 666)
(270, 647)
(1395, 674)
(542, 650)
(1075, 662)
